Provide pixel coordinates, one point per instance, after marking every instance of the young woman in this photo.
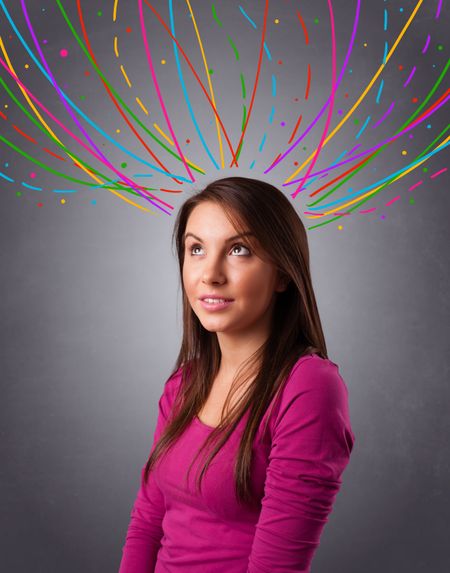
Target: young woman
(252, 390)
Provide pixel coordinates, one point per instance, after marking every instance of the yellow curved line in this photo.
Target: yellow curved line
(115, 10)
(211, 91)
(144, 109)
(116, 49)
(362, 96)
(122, 69)
(372, 191)
(48, 128)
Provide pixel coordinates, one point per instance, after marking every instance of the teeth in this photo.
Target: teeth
(214, 300)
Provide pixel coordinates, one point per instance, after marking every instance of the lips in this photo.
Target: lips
(215, 297)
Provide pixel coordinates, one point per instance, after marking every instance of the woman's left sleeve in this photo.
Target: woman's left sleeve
(311, 445)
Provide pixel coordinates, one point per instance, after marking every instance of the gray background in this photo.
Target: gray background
(90, 308)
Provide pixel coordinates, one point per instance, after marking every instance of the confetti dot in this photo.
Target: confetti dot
(411, 136)
(40, 204)
(63, 53)
(305, 148)
(411, 201)
(350, 71)
(414, 100)
(87, 73)
(128, 29)
(400, 9)
(340, 112)
(280, 62)
(429, 126)
(18, 193)
(365, 44)
(296, 99)
(345, 95)
(123, 165)
(283, 123)
(400, 67)
(425, 169)
(27, 66)
(82, 98)
(6, 106)
(440, 47)
(296, 163)
(163, 62)
(63, 201)
(277, 21)
(211, 71)
(188, 141)
(32, 175)
(117, 130)
(356, 121)
(94, 202)
(316, 20)
(45, 41)
(99, 13)
(340, 227)
(404, 152)
(383, 217)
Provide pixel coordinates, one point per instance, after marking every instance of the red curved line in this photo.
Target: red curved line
(113, 99)
(255, 85)
(305, 31)
(295, 129)
(194, 72)
(308, 82)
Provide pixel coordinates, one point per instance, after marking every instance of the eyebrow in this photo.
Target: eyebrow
(226, 240)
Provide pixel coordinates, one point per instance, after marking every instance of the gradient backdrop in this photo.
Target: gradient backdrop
(111, 114)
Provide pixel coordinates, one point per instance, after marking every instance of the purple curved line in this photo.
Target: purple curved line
(61, 96)
(338, 83)
(332, 96)
(391, 107)
(438, 11)
(413, 71)
(386, 141)
(427, 43)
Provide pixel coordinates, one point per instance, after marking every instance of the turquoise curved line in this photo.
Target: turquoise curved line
(185, 92)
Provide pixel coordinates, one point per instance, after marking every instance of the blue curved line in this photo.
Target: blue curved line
(78, 110)
(183, 87)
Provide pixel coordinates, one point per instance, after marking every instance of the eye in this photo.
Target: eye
(239, 245)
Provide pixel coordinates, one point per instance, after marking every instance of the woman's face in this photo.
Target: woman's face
(217, 264)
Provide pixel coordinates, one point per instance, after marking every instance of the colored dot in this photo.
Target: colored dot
(99, 13)
(345, 95)
(40, 204)
(296, 163)
(277, 21)
(440, 47)
(283, 123)
(383, 217)
(365, 44)
(400, 67)
(211, 71)
(280, 62)
(123, 165)
(296, 99)
(305, 148)
(414, 100)
(6, 164)
(6, 106)
(63, 53)
(94, 202)
(128, 29)
(163, 62)
(404, 152)
(117, 130)
(411, 136)
(350, 71)
(45, 41)
(18, 193)
(411, 201)
(87, 73)
(356, 121)
(316, 20)
(27, 66)
(82, 98)
(188, 141)
(63, 201)
(32, 175)
(429, 126)
(425, 169)
(340, 227)
(340, 112)
(401, 9)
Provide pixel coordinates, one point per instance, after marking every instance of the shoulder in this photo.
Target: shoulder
(315, 380)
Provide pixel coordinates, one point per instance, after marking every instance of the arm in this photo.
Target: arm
(311, 445)
(145, 528)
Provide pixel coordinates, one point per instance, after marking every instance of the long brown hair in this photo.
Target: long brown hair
(296, 329)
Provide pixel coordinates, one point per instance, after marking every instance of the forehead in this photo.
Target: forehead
(210, 220)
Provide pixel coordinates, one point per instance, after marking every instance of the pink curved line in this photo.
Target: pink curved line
(330, 109)
(158, 91)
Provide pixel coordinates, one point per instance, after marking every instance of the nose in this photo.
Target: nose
(213, 270)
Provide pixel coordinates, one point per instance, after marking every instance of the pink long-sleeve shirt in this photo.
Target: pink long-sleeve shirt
(296, 472)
